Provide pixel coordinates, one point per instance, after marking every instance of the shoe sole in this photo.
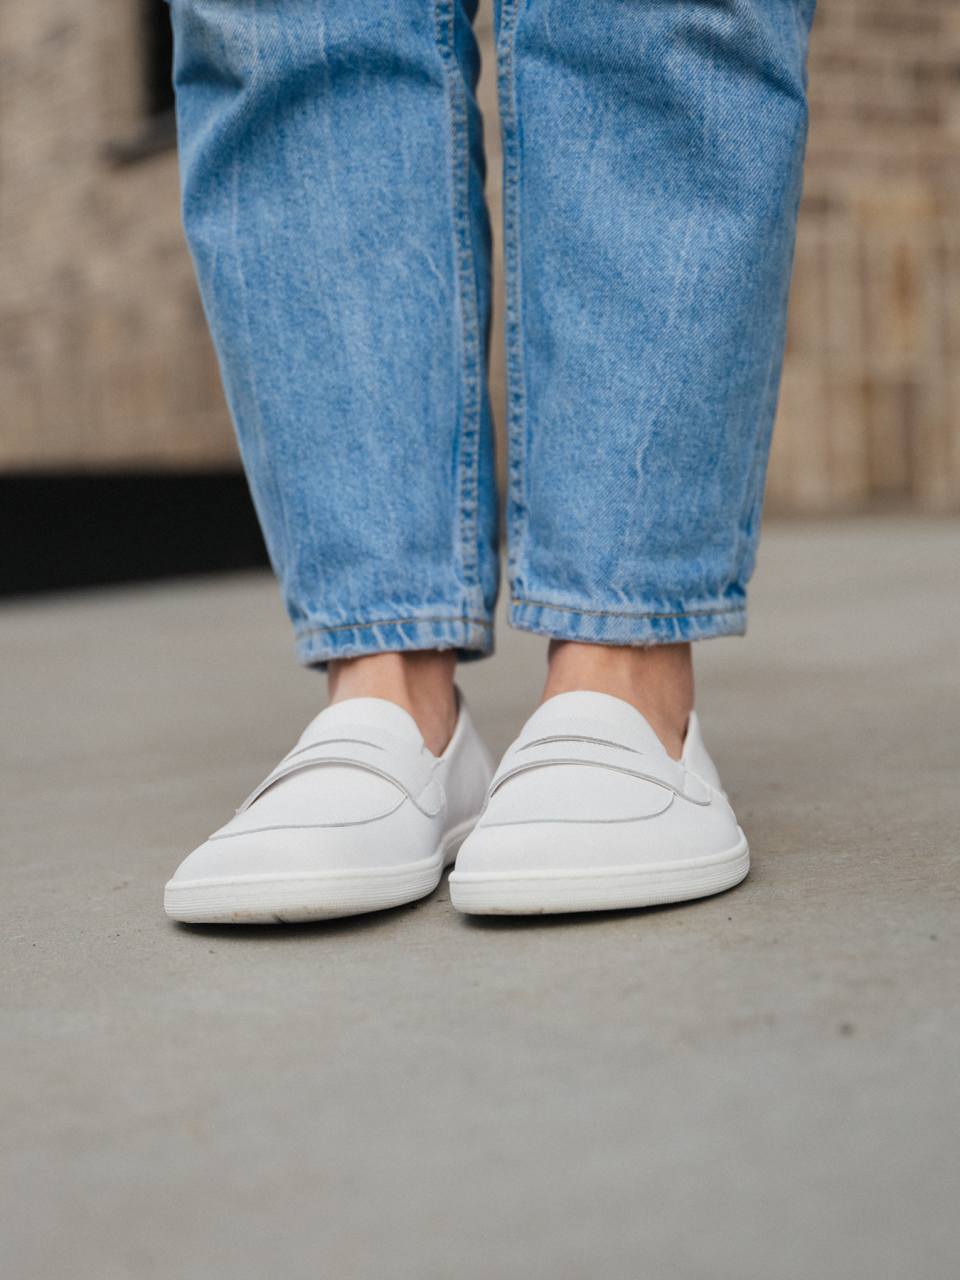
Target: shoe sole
(284, 899)
(610, 889)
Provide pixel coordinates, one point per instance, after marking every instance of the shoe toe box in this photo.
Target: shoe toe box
(242, 849)
(671, 830)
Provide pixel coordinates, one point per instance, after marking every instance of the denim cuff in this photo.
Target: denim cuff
(658, 626)
(471, 637)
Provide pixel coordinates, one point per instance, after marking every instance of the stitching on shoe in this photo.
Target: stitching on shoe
(578, 822)
(567, 737)
(324, 742)
(309, 826)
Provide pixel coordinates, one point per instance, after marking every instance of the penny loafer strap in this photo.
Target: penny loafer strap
(373, 749)
(588, 743)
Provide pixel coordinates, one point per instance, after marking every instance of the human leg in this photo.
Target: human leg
(652, 170)
(332, 177)
(421, 683)
(653, 162)
(656, 679)
(332, 194)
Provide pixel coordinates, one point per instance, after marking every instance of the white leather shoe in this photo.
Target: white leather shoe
(588, 812)
(359, 816)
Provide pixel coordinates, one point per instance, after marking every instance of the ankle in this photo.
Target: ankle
(657, 680)
(420, 682)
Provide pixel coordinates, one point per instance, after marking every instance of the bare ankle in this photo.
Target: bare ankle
(420, 682)
(657, 680)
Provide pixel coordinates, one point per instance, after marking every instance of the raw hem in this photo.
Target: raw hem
(470, 637)
(653, 627)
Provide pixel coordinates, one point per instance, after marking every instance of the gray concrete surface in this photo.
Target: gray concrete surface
(760, 1085)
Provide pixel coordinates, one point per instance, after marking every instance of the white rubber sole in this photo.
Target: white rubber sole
(610, 889)
(285, 899)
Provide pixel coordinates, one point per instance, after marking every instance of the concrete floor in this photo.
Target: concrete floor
(760, 1085)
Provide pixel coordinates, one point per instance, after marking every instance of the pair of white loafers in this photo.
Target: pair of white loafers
(587, 812)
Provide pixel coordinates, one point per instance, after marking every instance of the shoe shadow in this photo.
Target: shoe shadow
(296, 931)
(370, 921)
(565, 919)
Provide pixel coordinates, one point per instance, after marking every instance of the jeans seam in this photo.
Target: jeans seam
(277, 496)
(752, 499)
(594, 613)
(460, 181)
(511, 182)
(391, 622)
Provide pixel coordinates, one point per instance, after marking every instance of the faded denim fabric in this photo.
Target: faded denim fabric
(332, 169)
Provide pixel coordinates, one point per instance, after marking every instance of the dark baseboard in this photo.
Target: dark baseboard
(61, 531)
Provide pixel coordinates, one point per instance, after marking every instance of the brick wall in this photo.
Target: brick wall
(869, 407)
(105, 358)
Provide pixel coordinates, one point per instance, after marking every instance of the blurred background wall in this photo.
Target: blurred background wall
(117, 458)
(869, 407)
(105, 360)
(109, 385)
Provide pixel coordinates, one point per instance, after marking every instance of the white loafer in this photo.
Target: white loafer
(358, 817)
(588, 812)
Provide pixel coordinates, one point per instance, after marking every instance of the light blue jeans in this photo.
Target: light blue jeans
(332, 167)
